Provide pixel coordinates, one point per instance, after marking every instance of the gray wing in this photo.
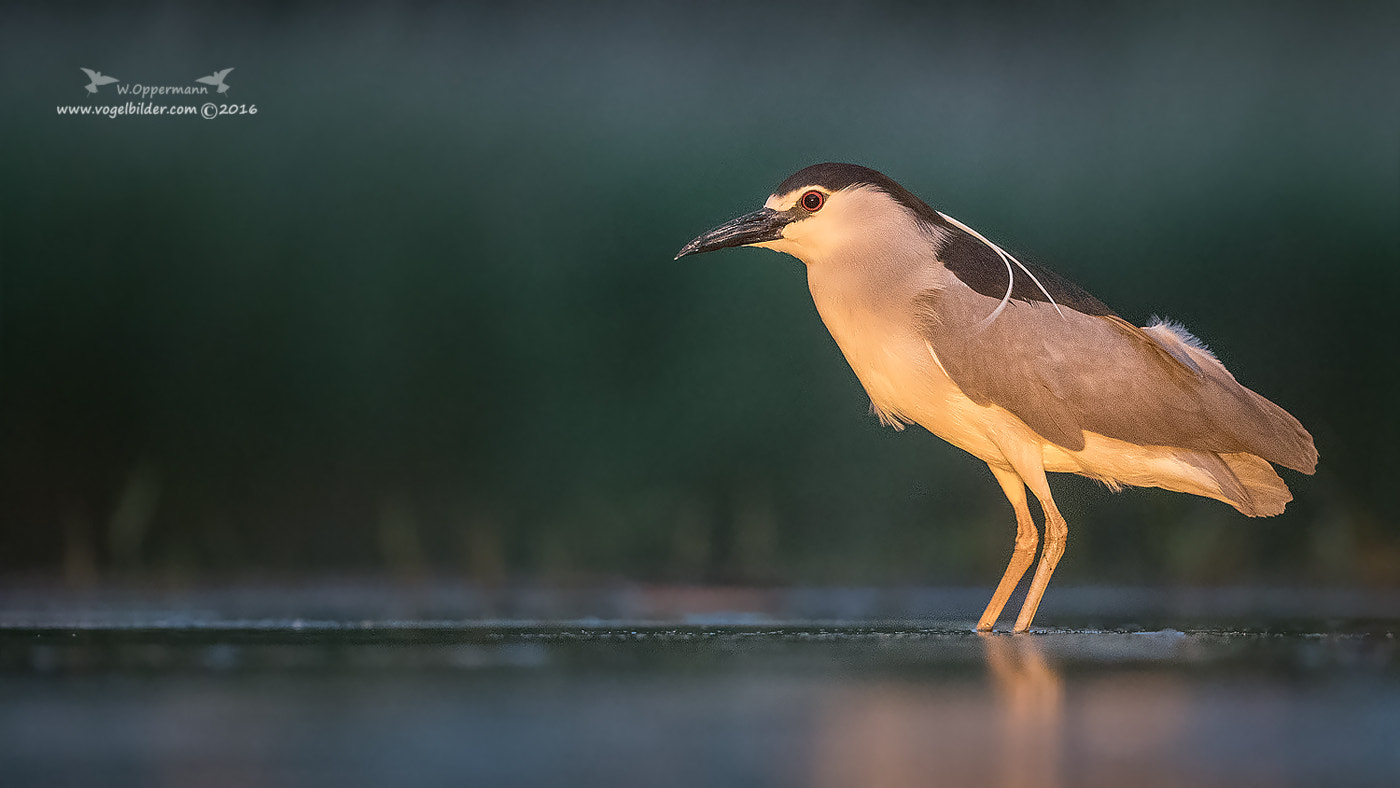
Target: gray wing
(1063, 372)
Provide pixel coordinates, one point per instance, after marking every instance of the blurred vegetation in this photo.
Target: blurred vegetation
(419, 314)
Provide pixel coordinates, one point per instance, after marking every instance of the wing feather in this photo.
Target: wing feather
(1063, 373)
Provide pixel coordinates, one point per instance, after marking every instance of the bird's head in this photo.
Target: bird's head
(822, 210)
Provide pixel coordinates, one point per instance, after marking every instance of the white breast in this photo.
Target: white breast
(898, 369)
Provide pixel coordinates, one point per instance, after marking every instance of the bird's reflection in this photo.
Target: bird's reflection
(1030, 698)
(1007, 731)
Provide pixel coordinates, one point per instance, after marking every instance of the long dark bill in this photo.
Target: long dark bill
(762, 225)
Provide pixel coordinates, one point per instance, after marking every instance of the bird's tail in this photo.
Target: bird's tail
(1265, 493)
(1245, 481)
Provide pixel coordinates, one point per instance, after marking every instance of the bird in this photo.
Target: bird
(217, 78)
(97, 79)
(1016, 364)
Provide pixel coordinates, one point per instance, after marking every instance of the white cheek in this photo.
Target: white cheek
(780, 202)
(805, 232)
(793, 242)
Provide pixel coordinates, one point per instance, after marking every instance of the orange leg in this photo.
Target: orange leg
(1027, 539)
(1056, 532)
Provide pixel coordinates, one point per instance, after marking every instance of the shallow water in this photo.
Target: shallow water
(218, 687)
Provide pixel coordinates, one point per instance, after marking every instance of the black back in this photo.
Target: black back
(979, 267)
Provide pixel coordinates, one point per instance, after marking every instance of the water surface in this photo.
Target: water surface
(105, 690)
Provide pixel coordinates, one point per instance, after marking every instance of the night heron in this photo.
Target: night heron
(1014, 364)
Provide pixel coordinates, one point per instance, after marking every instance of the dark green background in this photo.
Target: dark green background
(419, 313)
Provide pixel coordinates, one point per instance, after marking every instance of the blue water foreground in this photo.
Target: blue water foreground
(364, 683)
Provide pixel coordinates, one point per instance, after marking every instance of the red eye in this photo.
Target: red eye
(812, 201)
